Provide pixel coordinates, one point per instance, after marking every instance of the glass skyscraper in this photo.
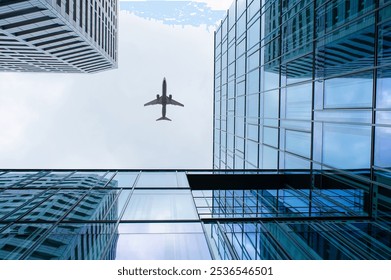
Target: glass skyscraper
(305, 85)
(62, 36)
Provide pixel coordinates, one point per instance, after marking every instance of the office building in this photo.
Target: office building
(304, 85)
(193, 214)
(63, 36)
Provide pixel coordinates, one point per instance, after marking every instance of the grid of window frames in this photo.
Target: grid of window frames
(306, 85)
(99, 215)
(193, 214)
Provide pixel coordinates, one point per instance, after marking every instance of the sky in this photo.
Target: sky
(99, 121)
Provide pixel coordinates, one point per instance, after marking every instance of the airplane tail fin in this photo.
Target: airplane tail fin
(163, 118)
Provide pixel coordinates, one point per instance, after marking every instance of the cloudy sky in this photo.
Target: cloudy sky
(99, 121)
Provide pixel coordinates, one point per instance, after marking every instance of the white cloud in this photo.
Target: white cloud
(214, 4)
(99, 121)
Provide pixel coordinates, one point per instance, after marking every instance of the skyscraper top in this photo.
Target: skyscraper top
(58, 36)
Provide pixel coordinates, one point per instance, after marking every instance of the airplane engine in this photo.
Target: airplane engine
(170, 96)
(157, 96)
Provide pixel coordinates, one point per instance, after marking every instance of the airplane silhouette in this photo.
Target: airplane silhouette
(164, 100)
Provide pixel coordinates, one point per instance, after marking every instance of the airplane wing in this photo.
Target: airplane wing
(173, 102)
(154, 102)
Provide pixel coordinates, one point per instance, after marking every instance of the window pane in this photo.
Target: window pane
(270, 104)
(346, 146)
(158, 179)
(349, 92)
(157, 246)
(298, 142)
(383, 147)
(160, 205)
(269, 158)
(298, 102)
(383, 96)
(270, 136)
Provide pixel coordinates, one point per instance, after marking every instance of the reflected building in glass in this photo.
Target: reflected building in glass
(62, 36)
(193, 214)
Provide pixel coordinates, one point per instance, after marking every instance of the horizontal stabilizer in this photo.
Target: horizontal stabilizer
(163, 119)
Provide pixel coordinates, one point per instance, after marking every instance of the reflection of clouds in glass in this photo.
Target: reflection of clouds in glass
(160, 241)
(162, 247)
(348, 92)
(383, 147)
(174, 12)
(346, 146)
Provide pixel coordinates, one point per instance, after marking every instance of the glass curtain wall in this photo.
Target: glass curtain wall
(306, 85)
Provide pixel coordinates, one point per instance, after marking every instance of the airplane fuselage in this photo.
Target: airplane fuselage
(164, 100)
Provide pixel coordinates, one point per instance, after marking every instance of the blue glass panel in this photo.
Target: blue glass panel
(239, 145)
(253, 8)
(299, 102)
(240, 48)
(383, 96)
(271, 79)
(231, 16)
(241, 26)
(383, 147)
(346, 146)
(252, 152)
(253, 61)
(158, 246)
(270, 136)
(124, 179)
(292, 162)
(230, 142)
(270, 104)
(252, 132)
(231, 54)
(346, 49)
(269, 160)
(299, 70)
(160, 205)
(383, 117)
(253, 82)
(298, 142)
(296, 125)
(349, 92)
(241, 66)
(240, 88)
(384, 53)
(240, 103)
(253, 34)
(252, 106)
(350, 116)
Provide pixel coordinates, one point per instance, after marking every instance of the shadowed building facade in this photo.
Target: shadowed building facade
(64, 36)
(193, 214)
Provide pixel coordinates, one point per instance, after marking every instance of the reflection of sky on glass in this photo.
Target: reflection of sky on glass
(383, 93)
(174, 12)
(161, 241)
(346, 146)
(348, 92)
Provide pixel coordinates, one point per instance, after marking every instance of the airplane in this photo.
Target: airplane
(164, 100)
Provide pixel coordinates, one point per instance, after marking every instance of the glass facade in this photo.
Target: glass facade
(195, 214)
(303, 85)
